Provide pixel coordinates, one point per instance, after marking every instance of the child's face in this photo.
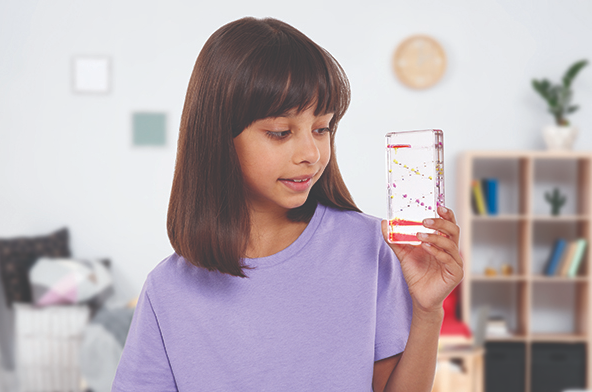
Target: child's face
(281, 158)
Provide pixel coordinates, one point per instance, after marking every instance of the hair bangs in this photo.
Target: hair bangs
(291, 73)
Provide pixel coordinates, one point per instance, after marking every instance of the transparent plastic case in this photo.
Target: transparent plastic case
(415, 182)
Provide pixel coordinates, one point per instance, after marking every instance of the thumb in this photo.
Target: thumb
(384, 226)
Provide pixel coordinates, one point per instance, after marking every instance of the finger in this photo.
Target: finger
(446, 246)
(384, 227)
(447, 214)
(399, 249)
(450, 264)
(446, 227)
(444, 243)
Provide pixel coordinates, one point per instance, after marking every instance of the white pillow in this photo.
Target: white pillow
(57, 281)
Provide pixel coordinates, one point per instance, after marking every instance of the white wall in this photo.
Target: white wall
(67, 159)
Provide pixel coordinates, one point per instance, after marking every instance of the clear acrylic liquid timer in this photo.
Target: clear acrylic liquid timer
(415, 182)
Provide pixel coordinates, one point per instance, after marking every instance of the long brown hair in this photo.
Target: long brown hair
(248, 70)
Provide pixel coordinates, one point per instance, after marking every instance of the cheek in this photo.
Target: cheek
(325, 150)
(256, 165)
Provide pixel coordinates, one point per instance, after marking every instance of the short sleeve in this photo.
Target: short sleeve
(144, 364)
(393, 306)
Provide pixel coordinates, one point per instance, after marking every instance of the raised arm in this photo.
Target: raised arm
(432, 270)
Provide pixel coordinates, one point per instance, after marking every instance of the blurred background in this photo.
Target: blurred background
(68, 159)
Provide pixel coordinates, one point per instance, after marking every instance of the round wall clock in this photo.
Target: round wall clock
(419, 61)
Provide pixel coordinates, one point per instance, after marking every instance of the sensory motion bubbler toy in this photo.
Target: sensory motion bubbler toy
(415, 182)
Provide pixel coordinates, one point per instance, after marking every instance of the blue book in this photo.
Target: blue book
(489, 186)
(555, 257)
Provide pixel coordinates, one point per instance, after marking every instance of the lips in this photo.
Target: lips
(298, 184)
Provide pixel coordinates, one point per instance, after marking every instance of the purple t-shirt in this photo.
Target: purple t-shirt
(312, 317)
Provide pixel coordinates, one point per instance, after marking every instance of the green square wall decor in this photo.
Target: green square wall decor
(149, 129)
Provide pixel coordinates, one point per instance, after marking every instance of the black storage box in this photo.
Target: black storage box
(558, 366)
(505, 367)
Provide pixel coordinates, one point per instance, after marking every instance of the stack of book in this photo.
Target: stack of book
(497, 328)
(484, 196)
(565, 257)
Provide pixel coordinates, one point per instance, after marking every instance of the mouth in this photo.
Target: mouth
(299, 183)
(299, 179)
(295, 180)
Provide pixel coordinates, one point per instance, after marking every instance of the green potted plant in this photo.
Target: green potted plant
(561, 135)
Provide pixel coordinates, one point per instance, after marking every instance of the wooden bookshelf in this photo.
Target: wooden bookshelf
(537, 308)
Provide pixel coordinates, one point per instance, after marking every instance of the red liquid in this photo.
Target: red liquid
(402, 237)
(403, 222)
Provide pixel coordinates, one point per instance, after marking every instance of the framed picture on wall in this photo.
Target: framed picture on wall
(91, 74)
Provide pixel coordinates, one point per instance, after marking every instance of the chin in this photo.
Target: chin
(297, 202)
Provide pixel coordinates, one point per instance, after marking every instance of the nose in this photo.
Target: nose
(307, 151)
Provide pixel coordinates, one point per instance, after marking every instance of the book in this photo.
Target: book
(474, 207)
(489, 186)
(478, 195)
(578, 256)
(555, 256)
(497, 327)
(566, 258)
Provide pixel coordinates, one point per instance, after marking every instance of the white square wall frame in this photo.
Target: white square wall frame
(91, 74)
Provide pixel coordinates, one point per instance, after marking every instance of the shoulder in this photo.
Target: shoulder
(171, 276)
(175, 280)
(167, 268)
(352, 230)
(352, 222)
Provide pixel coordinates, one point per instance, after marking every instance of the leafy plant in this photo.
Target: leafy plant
(558, 96)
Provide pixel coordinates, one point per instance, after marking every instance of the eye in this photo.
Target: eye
(322, 131)
(278, 135)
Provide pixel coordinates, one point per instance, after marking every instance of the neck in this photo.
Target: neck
(271, 232)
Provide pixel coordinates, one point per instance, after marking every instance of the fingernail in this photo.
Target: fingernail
(422, 235)
(428, 222)
(444, 209)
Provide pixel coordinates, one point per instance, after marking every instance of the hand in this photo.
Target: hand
(434, 268)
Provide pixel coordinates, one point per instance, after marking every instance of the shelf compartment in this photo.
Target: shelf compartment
(498, 242)
(546, 232)
(559, 308)
(566, 175)
(506, 366)
(505, 299)
(511, 174)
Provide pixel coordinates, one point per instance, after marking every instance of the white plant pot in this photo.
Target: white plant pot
(559, 137)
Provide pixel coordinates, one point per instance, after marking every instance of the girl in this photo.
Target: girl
(278, 281)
